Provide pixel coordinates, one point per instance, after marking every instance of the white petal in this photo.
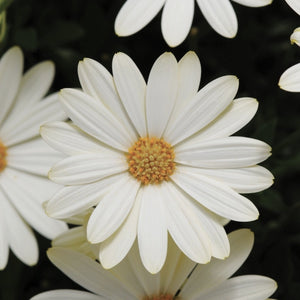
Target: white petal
(250, 287)
(177, 20)
(4, 246)
(290, 79)
(243, 180)
(97, 82)
(207, 104)
(113, 209)
(136, 14)
(205, 277)
(72, 200)
(11, 68)
(27, 202)
(295, 37)
(175, 270)
(230, 152)
(215, 196)
(184, 226)
(189, 71)
(161, 93)
(295, 5)
(69, 139)
(220, 15)
(94, 118)
(34, 156)
(253, 3)
(131, 87)
(135, 282)
(19, 235)
(27, 125)
(87, 168)
(66, 295)
(87, 273)
(232, 119)
(215, 231)
(71, 237)
(34, 86)
(150, 283)
(152, 230)
(116, 247)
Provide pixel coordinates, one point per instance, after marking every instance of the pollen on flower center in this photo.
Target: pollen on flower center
(2, 156)
(160, 297)
(151, 160)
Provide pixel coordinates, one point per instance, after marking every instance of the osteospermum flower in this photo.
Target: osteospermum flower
(295, 5)
(155, 158)
(290, 79)
(129, 280)
(24, 157)
(177, 16)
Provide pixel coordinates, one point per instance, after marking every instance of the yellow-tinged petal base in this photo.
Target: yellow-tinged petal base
(3, 154)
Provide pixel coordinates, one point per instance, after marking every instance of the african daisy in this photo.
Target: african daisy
(155, 159)
(177, 16)
(25, 158)
(130, 281)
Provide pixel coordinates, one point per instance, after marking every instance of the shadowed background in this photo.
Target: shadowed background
(67, 31)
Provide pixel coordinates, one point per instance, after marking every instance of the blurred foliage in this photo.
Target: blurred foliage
(67, 31)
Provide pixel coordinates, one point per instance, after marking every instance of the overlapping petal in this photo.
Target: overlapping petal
(207, 104)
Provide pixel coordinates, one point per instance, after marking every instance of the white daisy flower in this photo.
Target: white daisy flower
(24, 157)
(290, 79)
(177, 16)
(129, 280)
(155, 158)
(295, 5)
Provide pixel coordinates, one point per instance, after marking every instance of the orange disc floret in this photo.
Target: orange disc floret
(151, 160)
(2, 157)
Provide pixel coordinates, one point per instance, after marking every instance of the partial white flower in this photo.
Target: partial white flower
(156, 158)
(129, 280)
(25, 158)
(295, 5)
(295, 37)
(290, 79)
(177, 16)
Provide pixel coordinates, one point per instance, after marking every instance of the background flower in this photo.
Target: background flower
(177, 17)
(129, 280)
(25, 158)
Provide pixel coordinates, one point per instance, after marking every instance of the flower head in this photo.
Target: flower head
(129, 280)
(24, 157)
(177, 16)
(155, 159)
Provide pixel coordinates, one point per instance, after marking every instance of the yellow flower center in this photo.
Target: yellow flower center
(161, 297)
(2, 157)
(151, 160)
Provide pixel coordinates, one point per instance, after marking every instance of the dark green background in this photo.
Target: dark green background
(67, 31)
